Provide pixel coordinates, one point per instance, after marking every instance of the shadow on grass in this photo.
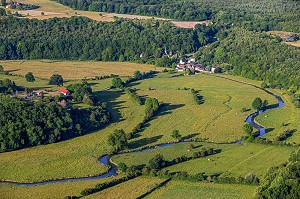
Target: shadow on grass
(143, 141)
(113, 106)
(165, 109)
(190, 136)
(268, 130)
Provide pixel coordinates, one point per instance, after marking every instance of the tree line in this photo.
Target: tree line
(82, 38)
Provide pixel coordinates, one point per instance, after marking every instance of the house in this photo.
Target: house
(180, 67)
(198, 68)
(182, 61)
(64, 91)
(213, 69)
(191, 60)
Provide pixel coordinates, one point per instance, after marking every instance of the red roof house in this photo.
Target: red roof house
(64, 91)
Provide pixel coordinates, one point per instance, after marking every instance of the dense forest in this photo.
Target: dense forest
(282, 181)
(255, 56)
(83, 38)
(25, 124)
(252, 14)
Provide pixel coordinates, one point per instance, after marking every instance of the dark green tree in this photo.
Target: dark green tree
(248, 129)
(138, 75)
(118, 139)
(122, 167)
(1, 70)
(157, 162)
(117, 82)
(29, 77)
(56, 79)
(257, 104)
(175, 134)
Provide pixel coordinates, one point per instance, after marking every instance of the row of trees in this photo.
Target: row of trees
(25, 124)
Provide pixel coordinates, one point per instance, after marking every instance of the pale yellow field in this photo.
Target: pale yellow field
(53, 9)
(73, 69)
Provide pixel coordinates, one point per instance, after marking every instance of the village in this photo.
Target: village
(188, 65)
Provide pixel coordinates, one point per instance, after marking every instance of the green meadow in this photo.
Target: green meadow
(188, 190)
(279, 120)
(217, 119)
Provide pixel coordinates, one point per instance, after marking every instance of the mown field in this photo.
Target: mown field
(279, 120)
(58, 190)
(188, 190)
(71, 70)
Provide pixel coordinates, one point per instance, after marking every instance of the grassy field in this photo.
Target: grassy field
(218, 119)
(71, 70)
(169, 153)
(239, 161)
(58, 190)
(130, 189)
(279, 120)
(181, 189)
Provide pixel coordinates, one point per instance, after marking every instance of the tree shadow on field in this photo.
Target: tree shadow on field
(190, 136)
(143, 142)
(133, 84)
(269, 130)
(165, 109)
(109, 97)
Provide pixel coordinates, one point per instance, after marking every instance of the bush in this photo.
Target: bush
(251, 178)
(56, 79)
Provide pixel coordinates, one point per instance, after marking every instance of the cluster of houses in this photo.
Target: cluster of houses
(189, 64)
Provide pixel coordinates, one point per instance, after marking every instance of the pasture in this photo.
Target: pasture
(218, 119)
(73, 70)
(238, 161)
(169, 153)
(188, 190)
(279, 120)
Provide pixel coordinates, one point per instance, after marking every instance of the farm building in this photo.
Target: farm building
(64, 91)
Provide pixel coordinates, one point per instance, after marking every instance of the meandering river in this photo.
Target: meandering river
(113, 168)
